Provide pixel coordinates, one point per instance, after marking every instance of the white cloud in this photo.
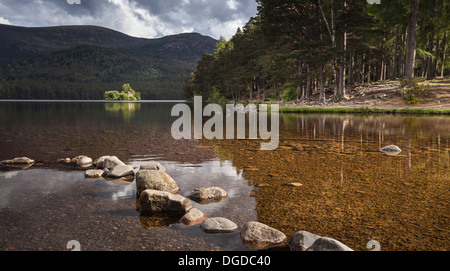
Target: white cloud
(226, 29)
(232, 4)
(4, 21)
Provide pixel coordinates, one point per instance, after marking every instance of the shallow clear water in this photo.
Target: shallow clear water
(350, 190)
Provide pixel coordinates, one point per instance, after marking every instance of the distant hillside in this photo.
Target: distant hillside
(81, 62)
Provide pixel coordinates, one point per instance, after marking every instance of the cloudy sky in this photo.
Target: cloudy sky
(139, 18)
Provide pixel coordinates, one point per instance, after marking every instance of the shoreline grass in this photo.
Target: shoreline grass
(364, 110)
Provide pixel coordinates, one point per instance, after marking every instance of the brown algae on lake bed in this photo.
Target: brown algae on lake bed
(350, 190)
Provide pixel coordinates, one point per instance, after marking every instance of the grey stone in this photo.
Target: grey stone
(99, 162)
(82, 160)
(111, 162)
(108, 162)
(256, 235)
(18, 161)
(157, 202)
(120, 171)
(391, 149)
(218, 225)
(302, 240)
(328, 244)
(153, 166)
(156, 180)
(94, 173)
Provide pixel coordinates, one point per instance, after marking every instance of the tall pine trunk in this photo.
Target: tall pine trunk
(401, 60)
(350, 68)
(341, 89)
(308, 91)
(332, 31)
(412, 41)
(443, 54)
(322, 85)
(394, 58)
(382, 59)
(300, 87)
(430, 58)
(434, 64)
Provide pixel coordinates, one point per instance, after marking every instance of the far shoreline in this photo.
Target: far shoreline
(288, 109)
(90, 101)
(364, 110)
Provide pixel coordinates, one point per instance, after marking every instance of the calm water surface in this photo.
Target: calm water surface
(350, 190)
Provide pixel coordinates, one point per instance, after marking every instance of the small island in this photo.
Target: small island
(127, 94)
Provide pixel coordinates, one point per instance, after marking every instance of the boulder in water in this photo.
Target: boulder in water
(218, 225)
(18, 161)
(192, 217)
(256, 235)
(391, 150)
(157, 202)
(82, 160)
(120, 171)
(156, 180)
(94, 173)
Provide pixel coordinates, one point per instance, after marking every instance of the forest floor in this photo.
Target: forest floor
(382, 95)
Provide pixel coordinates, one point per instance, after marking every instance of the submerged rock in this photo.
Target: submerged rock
(391, 150)
(328, 244)
(294, 184)
(156, 180)
(302, 240)
(218, 225)
(157, 221)
(192, 217)
(256, 235)
(208, 194)
(156, 202)
(18, 161)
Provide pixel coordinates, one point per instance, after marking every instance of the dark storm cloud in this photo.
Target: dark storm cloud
(134, 17)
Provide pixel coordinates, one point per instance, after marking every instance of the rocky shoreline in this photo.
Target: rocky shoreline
(158, 194)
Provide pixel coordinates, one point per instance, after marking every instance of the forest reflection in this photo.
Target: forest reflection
(125, 109)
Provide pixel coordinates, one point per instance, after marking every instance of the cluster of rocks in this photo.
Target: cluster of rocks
(159, 194)
(306, 241)
(103, 167)
(112, 167)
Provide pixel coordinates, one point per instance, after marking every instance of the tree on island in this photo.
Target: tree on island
(127, 94)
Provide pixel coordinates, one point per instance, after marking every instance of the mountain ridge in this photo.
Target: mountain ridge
(81, 62)
(33, 41)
